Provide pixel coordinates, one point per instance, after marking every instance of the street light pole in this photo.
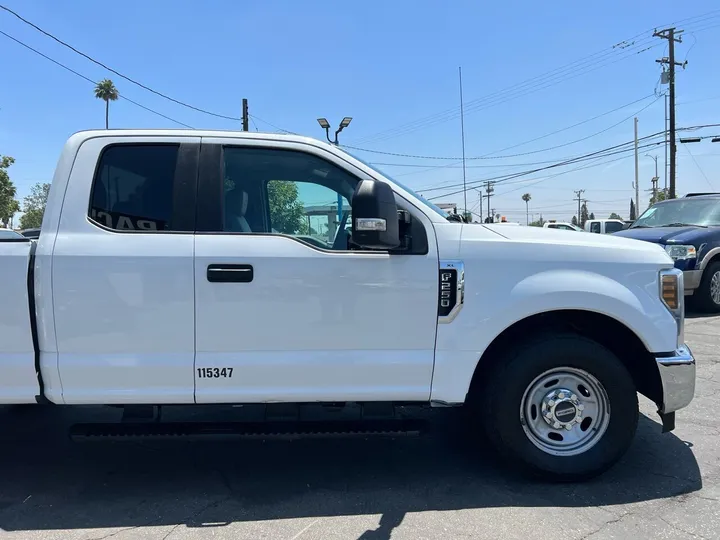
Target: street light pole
(345, 122)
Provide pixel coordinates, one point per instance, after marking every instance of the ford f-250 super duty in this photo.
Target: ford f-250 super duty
(204, 267)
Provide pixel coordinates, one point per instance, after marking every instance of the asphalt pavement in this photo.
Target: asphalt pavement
(434, 486)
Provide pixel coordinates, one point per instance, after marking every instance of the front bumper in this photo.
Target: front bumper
(677, 375)
(692, 280)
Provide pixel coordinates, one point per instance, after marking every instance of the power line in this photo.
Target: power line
(509, 94)
(127, 78)
(272, 125)
(525, 173)
(426, 168)
(612, 150)
(92, 81)
(698, 166)
(542, 150)
(574, 69)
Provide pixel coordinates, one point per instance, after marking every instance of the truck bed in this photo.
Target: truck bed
(18, 376)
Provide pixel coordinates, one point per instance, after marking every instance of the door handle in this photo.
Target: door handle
(230, 273)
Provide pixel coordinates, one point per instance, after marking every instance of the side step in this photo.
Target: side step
(242, 430)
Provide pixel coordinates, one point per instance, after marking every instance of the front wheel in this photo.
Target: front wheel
(707, 295)
(561, 407)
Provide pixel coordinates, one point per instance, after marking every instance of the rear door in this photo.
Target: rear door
(122, 270)
(285, 311)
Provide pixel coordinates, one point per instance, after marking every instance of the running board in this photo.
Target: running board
(237, 430)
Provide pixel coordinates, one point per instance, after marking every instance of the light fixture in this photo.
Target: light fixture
(345, 122)
(690, 139)
(323, 123)
(715, 139)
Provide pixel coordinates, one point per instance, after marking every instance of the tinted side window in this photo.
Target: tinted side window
(612, 226)
(133, 187)
(595, 227)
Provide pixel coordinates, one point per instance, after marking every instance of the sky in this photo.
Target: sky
(529, 69)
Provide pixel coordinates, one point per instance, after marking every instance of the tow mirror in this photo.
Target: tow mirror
(375, 216)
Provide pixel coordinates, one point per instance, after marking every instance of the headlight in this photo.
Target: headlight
(672, 294)
(681, 252)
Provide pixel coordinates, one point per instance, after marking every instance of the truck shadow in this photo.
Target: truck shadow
(50, 483)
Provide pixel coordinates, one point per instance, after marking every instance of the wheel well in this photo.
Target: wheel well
(716, 258)
(610, 333)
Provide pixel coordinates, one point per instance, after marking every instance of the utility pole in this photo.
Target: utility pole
(578, 194)
(489, 190)
(245, 120)
(672, 36)
(480, 205)
(462, 134)
(637, 170)
(665, 188)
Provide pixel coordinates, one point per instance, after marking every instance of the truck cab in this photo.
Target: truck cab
(203, 267)
(604, 226)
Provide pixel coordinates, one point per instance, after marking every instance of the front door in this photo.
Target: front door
(285, 311)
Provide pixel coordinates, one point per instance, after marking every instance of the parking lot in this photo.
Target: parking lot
(435, 486)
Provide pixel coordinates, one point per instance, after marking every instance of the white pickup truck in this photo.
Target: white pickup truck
(208, 267)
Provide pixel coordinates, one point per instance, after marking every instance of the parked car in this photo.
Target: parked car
(604, 226)
(10, 235)
(689, 230)
(563, 226)
(158, 285)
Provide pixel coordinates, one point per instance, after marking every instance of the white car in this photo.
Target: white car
(191, 267)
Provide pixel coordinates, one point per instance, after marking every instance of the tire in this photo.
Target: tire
(527, 443)
(703, 296)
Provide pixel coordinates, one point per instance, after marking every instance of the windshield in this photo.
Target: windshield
(679, 212)
(427, 203)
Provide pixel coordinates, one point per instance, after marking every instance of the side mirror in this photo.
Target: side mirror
(375, 216)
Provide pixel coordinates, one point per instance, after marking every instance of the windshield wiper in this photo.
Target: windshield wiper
(682, 225)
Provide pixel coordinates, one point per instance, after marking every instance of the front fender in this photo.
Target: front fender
(488, 311)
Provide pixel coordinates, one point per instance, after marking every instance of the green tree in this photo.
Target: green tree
(106, 91)
(8, 204)
(592, 215)
(287, 214)
(633, 211)
(526, 197)
(574, 220)
(34, 206)
(660, 196)
(583, 215)
(614, 216)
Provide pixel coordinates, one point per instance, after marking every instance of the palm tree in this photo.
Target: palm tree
(526, 197)
(106, 91)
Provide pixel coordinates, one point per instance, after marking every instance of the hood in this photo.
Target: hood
(672, 235)
(574, 244)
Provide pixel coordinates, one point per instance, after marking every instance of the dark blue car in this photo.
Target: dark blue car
(689, 230)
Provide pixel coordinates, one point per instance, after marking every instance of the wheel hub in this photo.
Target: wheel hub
(561, 409)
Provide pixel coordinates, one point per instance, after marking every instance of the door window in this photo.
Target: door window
(613, 226)
(133, 187)
(595, 227)
(287, 192)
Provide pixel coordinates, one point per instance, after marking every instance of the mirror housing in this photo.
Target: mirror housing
(375, 216)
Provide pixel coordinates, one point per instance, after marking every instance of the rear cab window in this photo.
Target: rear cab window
(133, 188)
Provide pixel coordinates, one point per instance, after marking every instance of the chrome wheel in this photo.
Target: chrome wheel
(566, 411)
(715, 288)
